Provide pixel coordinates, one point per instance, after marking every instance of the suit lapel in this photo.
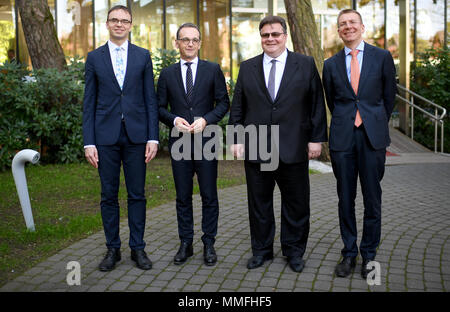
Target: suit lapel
(108, 64)
(259, 75)
(200, 74)
(179, 80)
(342, 69)
(289, 69)
(128, 70)
(366, 66)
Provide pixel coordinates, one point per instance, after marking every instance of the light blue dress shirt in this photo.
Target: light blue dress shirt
(348, 57)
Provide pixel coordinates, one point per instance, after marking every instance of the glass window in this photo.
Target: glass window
(326, 12)
(215, 28)
(8, 49)
(101, 8)
(178, 13)
(246, 42)
(148, 25)
(430, 24)
(372, 12)
(393, 28)
(74, 24)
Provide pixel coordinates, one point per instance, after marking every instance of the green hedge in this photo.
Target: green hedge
(430, 77)
(41, 110)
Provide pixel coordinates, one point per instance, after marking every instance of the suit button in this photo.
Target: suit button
(274, 108)
(190, 108)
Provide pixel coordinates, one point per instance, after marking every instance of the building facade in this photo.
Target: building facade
(229, 27)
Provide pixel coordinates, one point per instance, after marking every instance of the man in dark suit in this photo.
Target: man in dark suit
(360, 90)
(280, 88)
(197, 95)
(120, 126)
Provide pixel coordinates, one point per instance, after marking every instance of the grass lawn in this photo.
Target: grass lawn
(65, 201)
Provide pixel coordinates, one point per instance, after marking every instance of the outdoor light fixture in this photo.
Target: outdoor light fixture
(18, 170)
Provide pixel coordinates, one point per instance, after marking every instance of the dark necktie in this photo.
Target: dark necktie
(189, 81)
(271, 84)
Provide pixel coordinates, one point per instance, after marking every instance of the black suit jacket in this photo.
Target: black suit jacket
(209, 100)
(375, 98)
(298, 109)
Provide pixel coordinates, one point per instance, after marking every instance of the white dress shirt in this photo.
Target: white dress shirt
(183, 75)
(267, 65)
(123, 50)
(184, 70)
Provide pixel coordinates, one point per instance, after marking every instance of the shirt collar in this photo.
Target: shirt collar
(112, 46)
(360, 47)
(280, 58)
(194, 61)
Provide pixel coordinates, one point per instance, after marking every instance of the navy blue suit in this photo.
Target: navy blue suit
(360, 151)
(119, 122)
(210, 101)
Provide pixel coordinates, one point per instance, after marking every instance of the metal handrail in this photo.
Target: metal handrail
(438, 119)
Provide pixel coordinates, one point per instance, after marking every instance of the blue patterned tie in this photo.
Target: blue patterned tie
(120, 68)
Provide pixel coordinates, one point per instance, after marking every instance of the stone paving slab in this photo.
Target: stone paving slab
(414, 254)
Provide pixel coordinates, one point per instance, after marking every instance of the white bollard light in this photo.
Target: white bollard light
(18, 170)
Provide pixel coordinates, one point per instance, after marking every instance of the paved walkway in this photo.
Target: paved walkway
(414, 253)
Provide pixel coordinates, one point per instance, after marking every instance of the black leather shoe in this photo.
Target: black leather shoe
(141, 259)
(185, 251)
(364, 270)
(109, 261)
(346, 267)
(209, 255)
(257, 261)
(297, 264)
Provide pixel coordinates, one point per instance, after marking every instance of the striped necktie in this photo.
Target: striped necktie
(189, 81)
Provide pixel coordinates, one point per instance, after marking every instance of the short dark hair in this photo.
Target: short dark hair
(347, 11)
(271, 19)
(119, 7)
(189, 25)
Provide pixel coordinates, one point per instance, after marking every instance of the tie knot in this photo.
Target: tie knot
(354, 53)
(273, 61)
(188, 64)
(118, 49)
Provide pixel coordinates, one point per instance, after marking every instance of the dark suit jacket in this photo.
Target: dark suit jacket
(209, 100)
(104, 102)
(298, 109)
(375, 98)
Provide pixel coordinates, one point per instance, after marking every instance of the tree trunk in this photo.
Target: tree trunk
(40, 35)
(305, 39)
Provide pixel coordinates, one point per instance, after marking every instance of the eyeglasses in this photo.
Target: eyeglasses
(274, 35)
(186, 41)
(116, 21)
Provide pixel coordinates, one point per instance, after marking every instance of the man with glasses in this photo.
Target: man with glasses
(281, 88)
(196, 92)
(360, 88)
(120, 126)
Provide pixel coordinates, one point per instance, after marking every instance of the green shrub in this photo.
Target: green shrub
(430, 77)
(41, 110)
